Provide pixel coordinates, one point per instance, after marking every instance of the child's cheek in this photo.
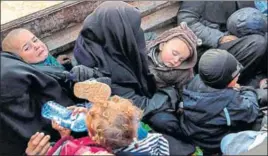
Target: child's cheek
(166, 57)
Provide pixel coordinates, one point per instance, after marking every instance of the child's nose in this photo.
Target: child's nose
(177, 60)
(36, 46)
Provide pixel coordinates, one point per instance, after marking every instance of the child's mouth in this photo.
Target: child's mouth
(41, 52)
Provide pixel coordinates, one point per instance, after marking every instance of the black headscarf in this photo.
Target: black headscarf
(113, 41)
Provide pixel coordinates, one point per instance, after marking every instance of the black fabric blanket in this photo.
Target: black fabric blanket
(24, 90)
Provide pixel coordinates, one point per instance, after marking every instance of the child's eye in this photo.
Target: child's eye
(181, 60)
(35, 39)
(174, 53)
(26, 49)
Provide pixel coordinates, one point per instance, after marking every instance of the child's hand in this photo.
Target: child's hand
(38, 144)
(63, 131)
(77, 110)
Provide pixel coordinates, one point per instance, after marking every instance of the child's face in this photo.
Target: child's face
(234, 81)
(174, 52)
(30, 48)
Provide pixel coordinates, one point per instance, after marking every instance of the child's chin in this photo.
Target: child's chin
(169, 65)
(44, 57)
(41, 60)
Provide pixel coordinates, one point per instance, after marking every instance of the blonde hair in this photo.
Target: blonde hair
(113, 124)
(7, 43)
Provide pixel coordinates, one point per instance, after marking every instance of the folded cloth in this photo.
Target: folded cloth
(236, 143)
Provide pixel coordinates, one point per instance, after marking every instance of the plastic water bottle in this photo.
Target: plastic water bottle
(262, 6)
(63, 116)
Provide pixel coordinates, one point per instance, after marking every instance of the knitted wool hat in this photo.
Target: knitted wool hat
(217, 68)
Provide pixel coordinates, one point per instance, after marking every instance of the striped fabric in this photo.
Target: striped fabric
(154, 144)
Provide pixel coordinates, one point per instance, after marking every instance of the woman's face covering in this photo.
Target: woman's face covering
(117, 25)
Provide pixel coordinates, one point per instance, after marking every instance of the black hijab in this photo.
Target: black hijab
(113, 41)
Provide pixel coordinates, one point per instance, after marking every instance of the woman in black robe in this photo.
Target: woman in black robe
(113, 41)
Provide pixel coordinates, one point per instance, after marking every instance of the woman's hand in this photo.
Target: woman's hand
(82, 73)
(63, 131)
(38, 144)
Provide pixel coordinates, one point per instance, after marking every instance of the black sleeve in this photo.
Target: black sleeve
(191, 13)
(164, 99)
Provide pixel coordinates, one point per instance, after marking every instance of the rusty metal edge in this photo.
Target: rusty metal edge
(64, 5)
(37, 17)
(149, 11)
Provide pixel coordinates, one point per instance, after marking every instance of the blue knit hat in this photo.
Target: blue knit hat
(217, 68)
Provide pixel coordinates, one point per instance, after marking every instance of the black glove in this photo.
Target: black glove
(81, 73)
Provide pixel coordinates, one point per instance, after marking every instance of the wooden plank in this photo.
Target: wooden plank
(160, 18)
(45, 22)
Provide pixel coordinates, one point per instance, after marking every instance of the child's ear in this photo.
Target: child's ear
(233, 82)
(161, 46)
